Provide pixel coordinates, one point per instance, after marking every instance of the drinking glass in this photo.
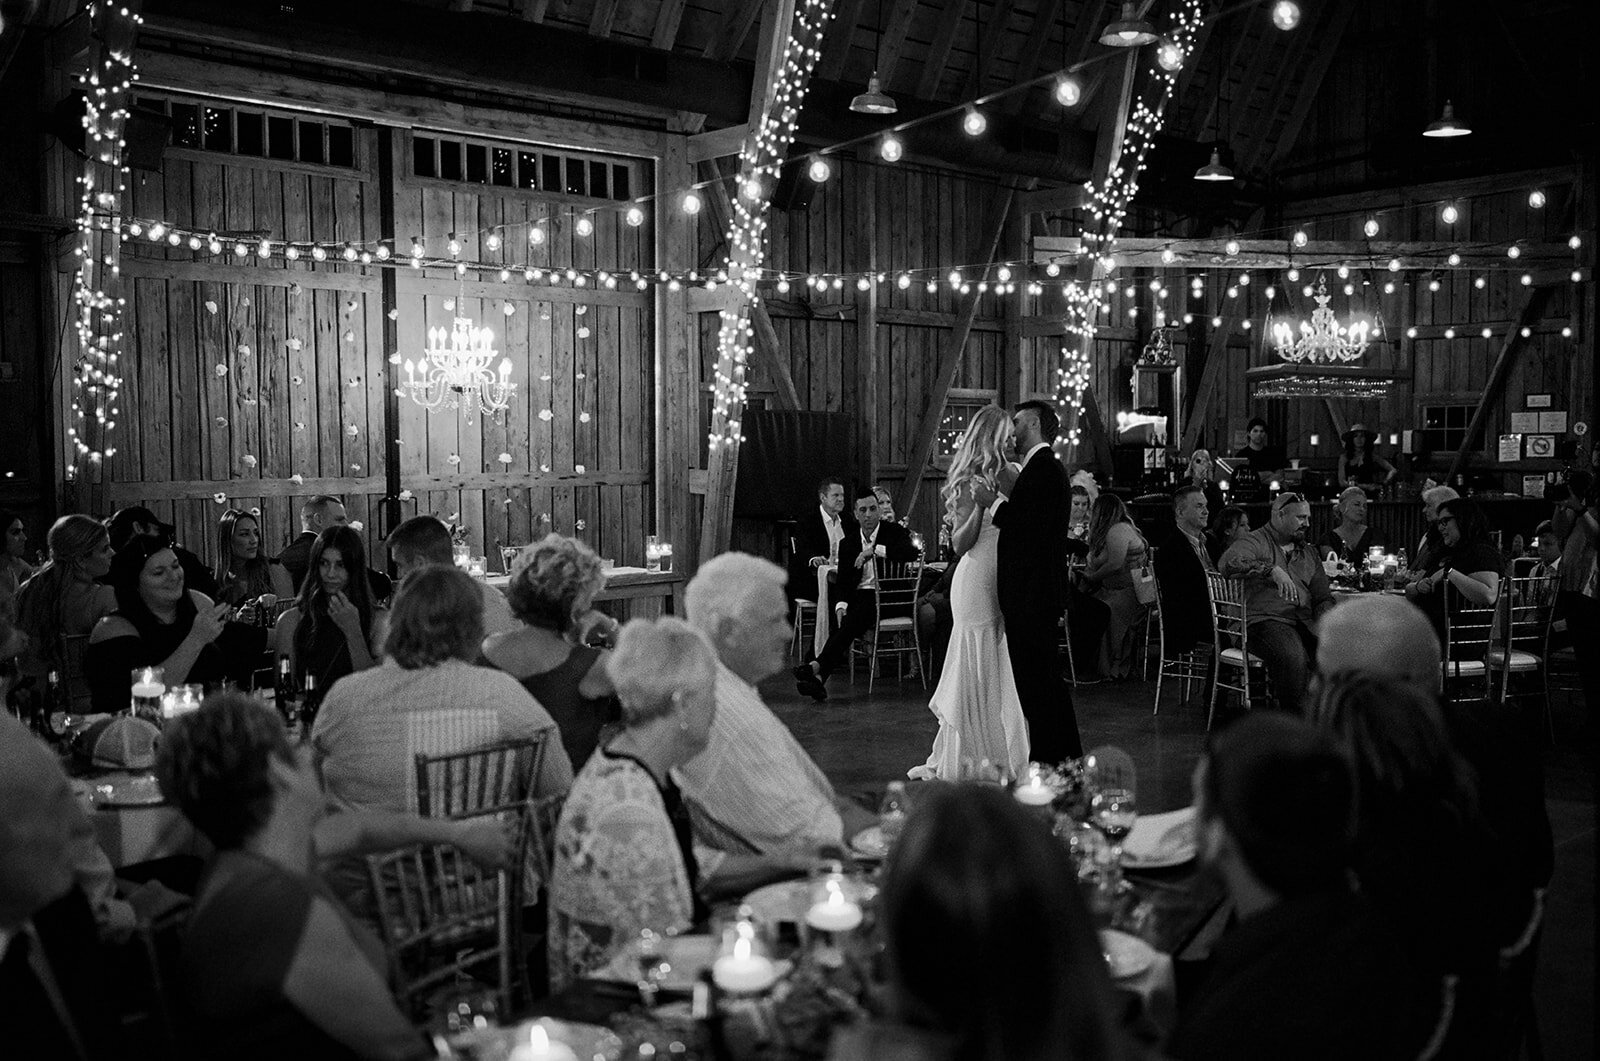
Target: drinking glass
(508, 556)
(1112, 803)
(650, 957)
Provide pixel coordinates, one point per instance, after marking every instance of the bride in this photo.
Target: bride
(980, 716)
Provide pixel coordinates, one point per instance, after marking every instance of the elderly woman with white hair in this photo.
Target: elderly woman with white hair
(624, 858)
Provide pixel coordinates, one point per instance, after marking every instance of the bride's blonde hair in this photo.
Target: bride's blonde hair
(979, 455)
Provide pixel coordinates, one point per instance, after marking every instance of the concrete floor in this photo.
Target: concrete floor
(863, 741)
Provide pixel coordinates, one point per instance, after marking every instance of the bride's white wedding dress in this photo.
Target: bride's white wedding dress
(980, 715)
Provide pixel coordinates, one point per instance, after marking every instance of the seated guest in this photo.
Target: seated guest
(139, 522)
(1117, 553)
(1202, 473)
(624, 858)
(426, 697)
(553, 581)
(1310, 970)
(1286, 592)
(1424, 854)
(754, 789)
(1467, 560)
(1389, 640)
(1078, 523)
(65, 598)
(316, 516)
(870, 542)
(1233, 524)
(886, 505)
(334, 629)
(1359, 464)
(1181, 565)
(272, 966)
(816, 539)
(423, 540)
(243, 571)
(1547, 552)
(56, 906)
(14, 566)
(1350, 537)
(158, 622)
(1425, 559)
(1015, 969)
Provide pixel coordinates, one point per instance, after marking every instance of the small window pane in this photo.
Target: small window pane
(577, 182)
(422, 156)
(311, 142)
(500, 172)
(341, 145)
(450, 160)
(599, 173)
(477, 164)
(552, 172)
(280, 138)
(252, 134)
(218, 132)
(185, 125)
(527, 169)
(620, 183)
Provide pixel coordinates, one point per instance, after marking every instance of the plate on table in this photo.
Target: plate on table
(126, 790)
(869, 843)
(1159, 841)
(685, 955)
(1126, 956)
(586, 1040)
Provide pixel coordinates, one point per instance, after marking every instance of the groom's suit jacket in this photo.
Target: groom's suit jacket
(1032, 555)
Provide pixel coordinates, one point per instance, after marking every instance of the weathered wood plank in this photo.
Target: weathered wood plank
(1533, 305)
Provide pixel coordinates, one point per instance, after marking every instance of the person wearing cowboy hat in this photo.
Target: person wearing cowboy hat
(1358, 464)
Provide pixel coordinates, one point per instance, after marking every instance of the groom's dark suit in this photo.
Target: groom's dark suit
(1032, 577)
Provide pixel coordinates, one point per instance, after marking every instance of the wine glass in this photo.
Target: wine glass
(650, 956)
(1113, 806)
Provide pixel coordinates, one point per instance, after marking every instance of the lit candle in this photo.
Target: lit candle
(1035, 793)
(835, 913)
(744, 971)
(540, 1047)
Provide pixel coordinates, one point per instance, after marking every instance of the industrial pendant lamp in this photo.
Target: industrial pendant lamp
(874, 100)
(1448, 124)
(1129, 31)
(1214, 170)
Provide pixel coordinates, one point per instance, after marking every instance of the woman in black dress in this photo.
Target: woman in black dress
(1351, 537)
(334, 628)
(243, 572)
(1359, 464)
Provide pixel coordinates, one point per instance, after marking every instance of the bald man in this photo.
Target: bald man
(1391, 637)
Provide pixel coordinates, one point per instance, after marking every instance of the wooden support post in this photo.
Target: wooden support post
(677, 405)
(1335, 418)
(1532, 309)
(1014, 382)
(716, 521)
(945, 373)
(867, 420)
(1216, 356)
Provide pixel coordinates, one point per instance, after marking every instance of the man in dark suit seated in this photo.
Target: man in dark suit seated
(1181, 565)
(817, 535)
(861, 555)
(1309, 970)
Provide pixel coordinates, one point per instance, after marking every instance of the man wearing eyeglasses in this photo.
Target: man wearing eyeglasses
(1286, 592)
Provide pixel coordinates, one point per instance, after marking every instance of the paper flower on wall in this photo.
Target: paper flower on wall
(583, 418)
(578, 468)
(294, 344)
(297, 479)
(454, 460)
(220, 498)
(252, 402)
(299, 425)
(583, 332)
(544, 468)
(249, 460)
(506, 502)
(509, 310)
(222, 421)
(353, 382)
(544, 314)
(394, 358)
(546, 415)
(581, 310)
(356, 525)
(581, 524)
(355, 467)
(504, 458)
(349, 336)
(450, 305)
(351, 306)
(406, 495)
(295, 288)
(352, 431)
(211, 307)
(244, 302)
(297, 380)
(544, 517)
(222, 370)
(545, 377)
(394, 314)
(255, 511)
(244, 350)
(581, 375)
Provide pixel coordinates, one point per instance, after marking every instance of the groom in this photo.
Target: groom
(1032, 574)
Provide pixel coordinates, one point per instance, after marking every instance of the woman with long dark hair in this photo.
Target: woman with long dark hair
(158, 622)
(1116, 551)
(14, 566)
(65, 598)
(1359, 464)
(334, 628)
(1013, 969)
(243, 571)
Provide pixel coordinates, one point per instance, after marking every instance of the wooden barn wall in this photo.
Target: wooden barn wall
(229, 403)
(23, 378)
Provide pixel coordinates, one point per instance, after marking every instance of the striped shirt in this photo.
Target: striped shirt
(754, 789)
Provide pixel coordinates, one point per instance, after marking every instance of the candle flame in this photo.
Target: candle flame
(538, 1038)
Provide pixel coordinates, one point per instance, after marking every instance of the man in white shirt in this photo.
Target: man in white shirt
(423, 541)
(754, 790)
(816, 539)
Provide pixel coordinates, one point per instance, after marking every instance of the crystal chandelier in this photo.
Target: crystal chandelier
(1322, 340)
(455, 371)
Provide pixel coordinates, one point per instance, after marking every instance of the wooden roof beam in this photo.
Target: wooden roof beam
(939, 48)
(601, 18)
(836, 42)
(893, 42)
(1332, 33)
(989, 40)
(736, 23)
(669, 16)
(1044, 19)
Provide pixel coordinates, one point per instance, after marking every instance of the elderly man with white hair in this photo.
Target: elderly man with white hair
(754, 789)
(1387, 637)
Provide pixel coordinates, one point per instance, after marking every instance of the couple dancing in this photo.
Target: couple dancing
(1000, 695)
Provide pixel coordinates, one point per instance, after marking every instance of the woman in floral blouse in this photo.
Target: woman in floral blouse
(624, 857)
